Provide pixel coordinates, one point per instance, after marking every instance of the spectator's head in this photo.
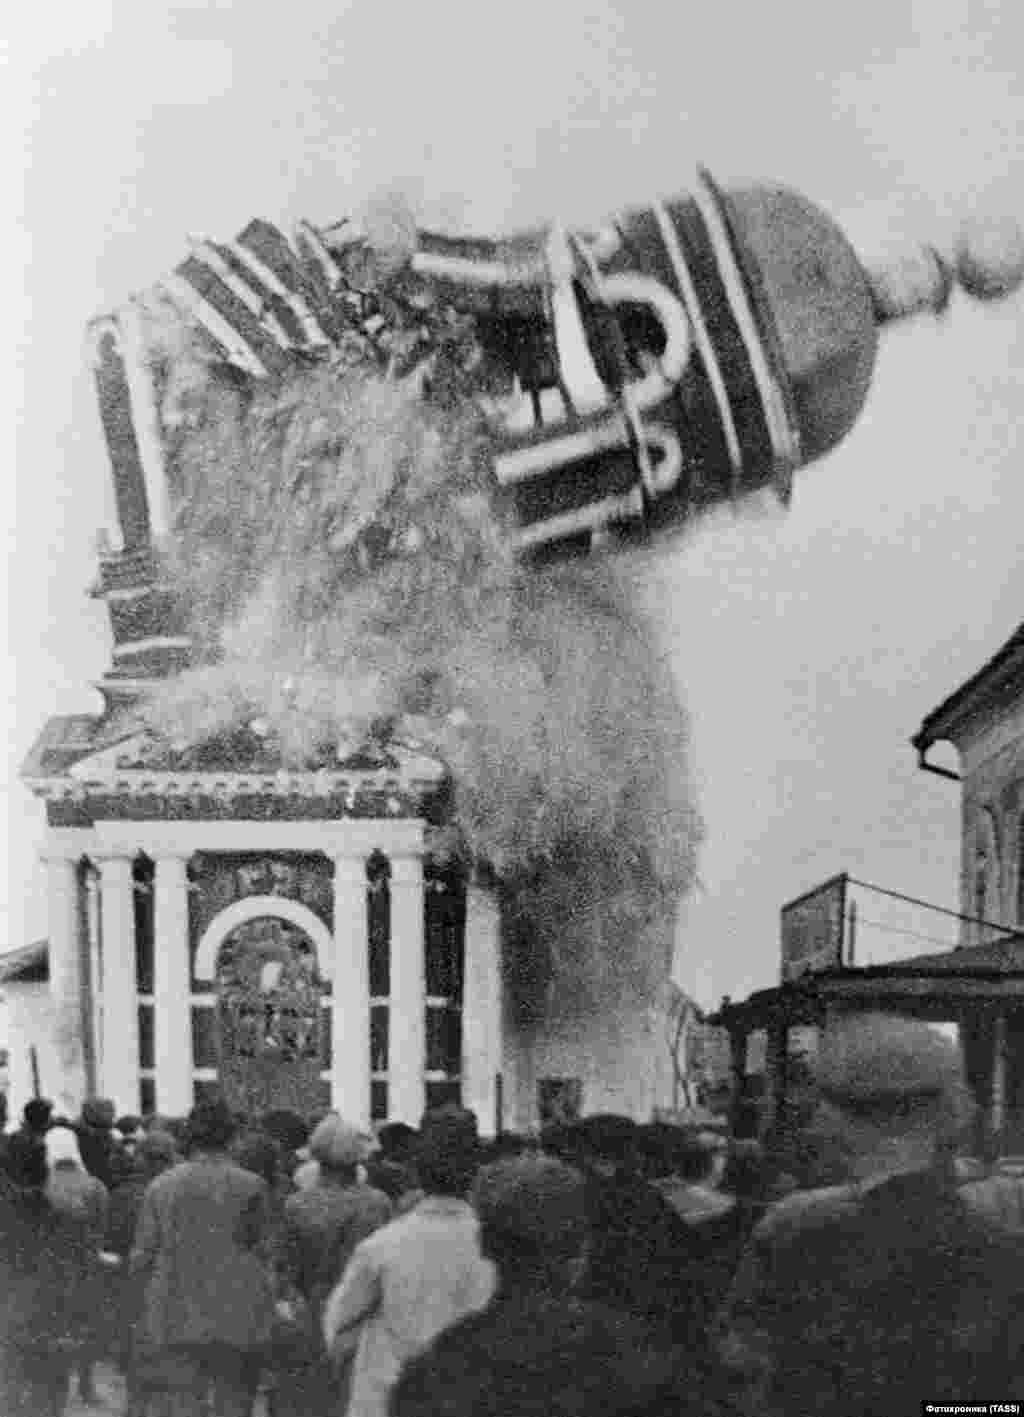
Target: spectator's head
(744, 1174)
(24, 1162)
(448, 1153)
(178, 1128)
(62, 1149)
(892, 1092)
(659, 1145)
(609, 1143)
(289, 1130)
(340, 1148)
(211, 1126)
(533, 1220)
(701, 1157)
(398, 1142)
(37, 1114)
(129, 1127)
(558, 1139)
(391, 1177)
(99, 1114)
(258, 1153)
(156, 1152)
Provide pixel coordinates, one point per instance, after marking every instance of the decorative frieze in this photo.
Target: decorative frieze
(198, 800)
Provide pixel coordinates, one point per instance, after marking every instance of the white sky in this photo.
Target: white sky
(808, 646)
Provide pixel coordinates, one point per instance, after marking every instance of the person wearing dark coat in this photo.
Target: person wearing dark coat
(201, 1245)
(538, 1349)
(83, 1201)
(393, 1168)
(641, 1253)
(321, 1227)
(102, 1153)
(883, 1292)
(154, 1154)
(37, 1333)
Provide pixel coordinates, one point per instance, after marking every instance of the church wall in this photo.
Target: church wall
(31, 1022)
(611, 1062)
(614, 1051)
(596, 1039)
(992, 858)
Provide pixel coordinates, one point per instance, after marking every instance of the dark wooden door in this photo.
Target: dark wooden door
(270, 1016)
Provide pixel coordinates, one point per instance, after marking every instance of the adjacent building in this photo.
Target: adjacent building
(978, 983)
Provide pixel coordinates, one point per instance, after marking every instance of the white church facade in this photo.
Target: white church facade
(286, 938)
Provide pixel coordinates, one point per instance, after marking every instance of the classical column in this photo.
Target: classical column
(350, 999)
(407, 1040)
(119, 1063)
(63, 920)
(172, 1013)
(481, 1009)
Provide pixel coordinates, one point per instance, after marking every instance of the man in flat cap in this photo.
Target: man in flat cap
(417, 1275)
(323, 1224)
(883, 1292)
(538, 1347)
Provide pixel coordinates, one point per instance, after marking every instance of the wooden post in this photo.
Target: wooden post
(851, 935)
(33, 1058)
(997, 1104)
(778, 1064)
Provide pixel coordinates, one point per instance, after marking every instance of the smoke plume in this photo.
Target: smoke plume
(346, 576)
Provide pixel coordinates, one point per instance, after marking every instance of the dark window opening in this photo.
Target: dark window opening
(147, 1052)
(145, 923)
(444, 920)
(444, 1040)
(378, 877)
(205, 1047)
(444, 1094)
(379, 1038)
(326, 1039)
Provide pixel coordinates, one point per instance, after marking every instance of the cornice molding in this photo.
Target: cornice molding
(229, 785)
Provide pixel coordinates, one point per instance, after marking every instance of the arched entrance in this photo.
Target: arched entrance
(270, 1016)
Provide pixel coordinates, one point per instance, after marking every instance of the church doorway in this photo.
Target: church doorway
(271, 1019)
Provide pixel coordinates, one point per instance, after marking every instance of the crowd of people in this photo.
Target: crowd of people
(601, 1267)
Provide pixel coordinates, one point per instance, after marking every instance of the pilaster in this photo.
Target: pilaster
(172, 987)
(482, 1009)
(407, 1045)
(119, 1061)
(65, 968)
(350, 1001)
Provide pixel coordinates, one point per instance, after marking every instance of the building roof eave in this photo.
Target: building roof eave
(26, 963)
(1005, 670)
